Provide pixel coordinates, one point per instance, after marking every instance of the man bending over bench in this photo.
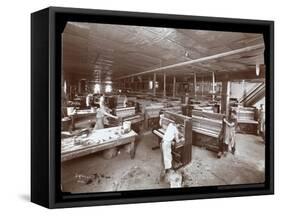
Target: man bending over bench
(170, 135)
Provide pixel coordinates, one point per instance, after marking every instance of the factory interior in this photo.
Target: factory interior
(124, 87)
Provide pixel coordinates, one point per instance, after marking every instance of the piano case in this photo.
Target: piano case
(181, 152)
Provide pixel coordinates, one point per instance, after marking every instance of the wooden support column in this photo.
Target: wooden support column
(174, 86)
(225, 98)
(195, 84)
(164, 85)
(213, 86)
(244, 90)
(63, 92)
(132, 84)
(154, 84)
(202, 87)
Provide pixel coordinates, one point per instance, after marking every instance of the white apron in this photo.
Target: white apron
(166, 147)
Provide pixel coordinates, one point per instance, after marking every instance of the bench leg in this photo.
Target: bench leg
(146, 124)
(221, 146)
(132, 149)
(72, 123)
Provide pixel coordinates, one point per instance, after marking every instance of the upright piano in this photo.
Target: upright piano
(174, 109)
(152, 114)
(208, 130)
(181, 152)
(89, 114)
(247, 120)
(129, 114)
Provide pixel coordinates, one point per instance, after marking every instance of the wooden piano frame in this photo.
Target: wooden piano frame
(174, 109)
(129, 114)
(151, 115)
(125, 111)
(208, 130)
(82, 114)
(181, 152)
(247, 120)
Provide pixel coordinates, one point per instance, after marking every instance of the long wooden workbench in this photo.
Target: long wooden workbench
(95, 141)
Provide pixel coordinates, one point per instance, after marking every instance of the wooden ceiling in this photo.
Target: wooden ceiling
(107, 52)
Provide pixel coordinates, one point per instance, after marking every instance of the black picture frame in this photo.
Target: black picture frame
(46, 28)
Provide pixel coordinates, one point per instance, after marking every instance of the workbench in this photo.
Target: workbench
(95, 141)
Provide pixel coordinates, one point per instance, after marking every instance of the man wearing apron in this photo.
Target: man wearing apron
(261, 121)
(170, 135)
(101, 115)
(229, 134)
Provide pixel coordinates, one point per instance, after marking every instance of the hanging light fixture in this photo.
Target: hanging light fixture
(257, 69)
(64, 87)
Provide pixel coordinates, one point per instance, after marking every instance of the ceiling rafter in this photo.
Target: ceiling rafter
(203, 59)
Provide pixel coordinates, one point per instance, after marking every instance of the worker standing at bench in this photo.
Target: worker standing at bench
(125, 102)
(229, 133)
(170, 135)
(261, 121)
(89, 100)
(101, 115)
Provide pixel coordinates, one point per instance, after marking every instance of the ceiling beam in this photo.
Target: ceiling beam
(203, 59)
(242, 75)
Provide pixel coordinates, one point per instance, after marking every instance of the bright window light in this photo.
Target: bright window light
(64, 87)
(156, 84)
(97, 89)
(150, 84)
(108, 88)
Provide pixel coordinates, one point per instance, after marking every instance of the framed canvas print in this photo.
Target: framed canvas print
(138, 107)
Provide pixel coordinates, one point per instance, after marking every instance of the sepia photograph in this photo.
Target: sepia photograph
(156, 108)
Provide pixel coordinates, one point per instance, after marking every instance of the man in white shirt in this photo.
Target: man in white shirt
(89, 99)
(170, 135)
(125, 101)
